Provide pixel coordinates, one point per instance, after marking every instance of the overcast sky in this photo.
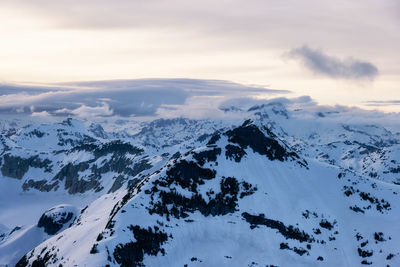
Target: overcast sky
(337, 52)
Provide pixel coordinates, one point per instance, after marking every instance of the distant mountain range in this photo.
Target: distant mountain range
(272, 185)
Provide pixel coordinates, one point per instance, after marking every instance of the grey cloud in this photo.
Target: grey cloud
(244, 103)
(254, 22)
(378, 103)
(123, 98)
(330, 66)
(6, 89)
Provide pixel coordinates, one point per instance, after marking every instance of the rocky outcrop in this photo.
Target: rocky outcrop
(249, 135)
(147, 241)
(190, 177)
(57, 218)
(41, 185)
(16, 167)
(290, 232)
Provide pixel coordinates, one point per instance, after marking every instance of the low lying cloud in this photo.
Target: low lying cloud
(246, 103)
(124, 98)
(379, 103)
(321, 63)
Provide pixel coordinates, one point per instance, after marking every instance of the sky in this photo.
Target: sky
(338, 52)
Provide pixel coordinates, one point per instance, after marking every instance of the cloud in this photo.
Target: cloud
(255, 22)
(321, 63)
(40, 114)
(245, 103)
(379, 103)
(124, 98)
(6, 89)
(86, 111)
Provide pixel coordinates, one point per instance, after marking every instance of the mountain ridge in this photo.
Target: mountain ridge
(287, 197)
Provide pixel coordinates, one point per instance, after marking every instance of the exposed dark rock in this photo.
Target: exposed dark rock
(120, 162)
(379, 237)
(16, 167)
(23, 262)
(16, 228)
(390, 256)
(317, 231)
(41, 185)
(348, 190)
(395, 170)
(284, 246)
(132, 183)
(307, 214)
(290, 232)
(380, 205)
(36, 133)
(147, 241)
(365, 262)
(246, 189)
(99, 237)
(117, 148)
(364, 253)
(73, 183)
(249, 135)
(355, 208)
(40, 261)
(187, 175)
(367, 196)
(234, 152)
(359, 237)
(207, 156)
(214, 139)
(173, 204)
(140, 166)
(176, 155)
(300, 251)
(202, 137)
(118, 182)
(94, 249)
(68, 122)
(326, 224)
(52, 220)
(73, 138)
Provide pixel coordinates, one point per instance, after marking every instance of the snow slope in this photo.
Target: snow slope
(211, 208)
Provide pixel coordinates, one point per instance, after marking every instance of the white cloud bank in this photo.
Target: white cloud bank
(124, 98)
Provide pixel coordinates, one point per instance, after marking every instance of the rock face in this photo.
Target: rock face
(57, 218)
(120, 158)
(289, 232)
(16, 167)
(148, 241)
(249, 135)
(234, 152)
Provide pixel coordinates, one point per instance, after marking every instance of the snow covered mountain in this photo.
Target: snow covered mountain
(274, 184)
